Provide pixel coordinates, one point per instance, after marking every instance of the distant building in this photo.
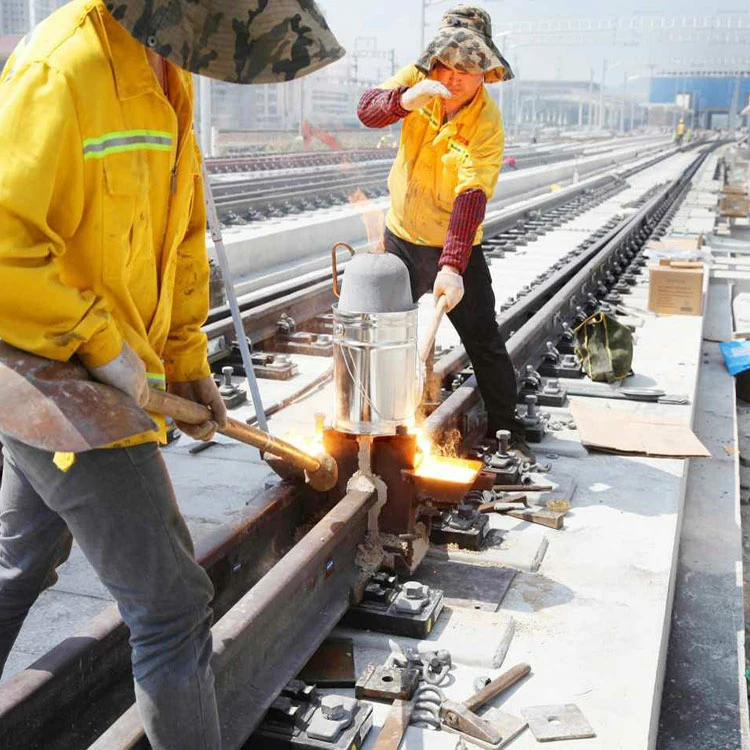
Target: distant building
(14, 14)
(327, 99)
(14, 17)
(707, 100)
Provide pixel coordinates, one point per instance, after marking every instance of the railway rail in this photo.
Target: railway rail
(314, 182)
(270, 162)
(276, 597)
(302, 301)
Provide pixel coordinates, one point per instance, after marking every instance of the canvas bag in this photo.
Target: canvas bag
(605, 348)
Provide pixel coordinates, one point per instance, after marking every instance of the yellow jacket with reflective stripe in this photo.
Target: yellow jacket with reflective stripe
(437, 161)
(102, 220)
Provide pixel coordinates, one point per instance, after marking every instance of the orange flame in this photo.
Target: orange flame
(311, 444)
(448, 468)
(372, 218)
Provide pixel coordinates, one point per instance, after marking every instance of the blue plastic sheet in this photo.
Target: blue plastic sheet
(736, 355)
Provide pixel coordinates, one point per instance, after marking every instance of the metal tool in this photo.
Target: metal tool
(462, 716)
(321, 471)
(426, 346)
(54, 406)
(395, 726)
(214, 226)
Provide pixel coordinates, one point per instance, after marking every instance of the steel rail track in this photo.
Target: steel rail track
(299, 160)
(304, 301)
(263, 162)
(540, 316)
(297, 178)
(290, 594)
(325, 186)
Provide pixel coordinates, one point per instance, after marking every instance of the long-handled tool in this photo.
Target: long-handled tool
(214, 226)
(461, 717)
(54, 406)
(426, 346)
(321, 471)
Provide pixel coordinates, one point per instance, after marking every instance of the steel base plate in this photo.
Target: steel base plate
(387, 683)
(385, 618)
(278, 732)
(471, 538)
(548, 723)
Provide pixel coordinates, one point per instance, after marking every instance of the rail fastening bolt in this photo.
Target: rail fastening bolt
(414, 590)
(503, 440)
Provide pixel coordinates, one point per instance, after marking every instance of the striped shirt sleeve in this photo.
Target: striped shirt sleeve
(466, 217)
(379, 108)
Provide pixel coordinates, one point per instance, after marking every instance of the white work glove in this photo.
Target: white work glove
(421, 93)
(203, 391)
(449, 284)
(126, 372)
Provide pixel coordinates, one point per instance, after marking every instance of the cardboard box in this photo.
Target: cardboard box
(734, 206)
(676, 288)
(676, 244)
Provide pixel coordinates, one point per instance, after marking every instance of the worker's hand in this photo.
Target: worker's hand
(126, 372)
(421, 93)
(449, 284)
(206, 392)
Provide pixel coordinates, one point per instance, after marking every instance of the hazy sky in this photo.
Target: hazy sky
(395, 24)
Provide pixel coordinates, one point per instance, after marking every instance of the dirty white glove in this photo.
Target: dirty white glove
(126, 372)
(421, 93)
(450, 284)
(203, 391)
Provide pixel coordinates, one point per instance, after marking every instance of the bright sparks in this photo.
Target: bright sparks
(446, 468)
(310, 444)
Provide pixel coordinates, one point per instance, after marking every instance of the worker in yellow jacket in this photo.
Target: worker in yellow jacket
(679, 133)
(445, 172)
(103, 257)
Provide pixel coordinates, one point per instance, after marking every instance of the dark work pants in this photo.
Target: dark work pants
(474, 319)
(119, 506)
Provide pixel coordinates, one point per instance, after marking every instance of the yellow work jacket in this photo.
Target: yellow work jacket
(438, 160)
(102, 220)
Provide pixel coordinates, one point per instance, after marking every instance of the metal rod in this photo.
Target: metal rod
(247, 360)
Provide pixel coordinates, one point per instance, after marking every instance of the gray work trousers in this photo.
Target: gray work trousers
(120, 507)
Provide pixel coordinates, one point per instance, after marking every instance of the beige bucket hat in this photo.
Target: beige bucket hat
(464, 42)
(240, 41)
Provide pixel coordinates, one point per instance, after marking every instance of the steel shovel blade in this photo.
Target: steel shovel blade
(55, 407)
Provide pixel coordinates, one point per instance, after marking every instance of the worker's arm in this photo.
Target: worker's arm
(477, 178)
(381, 106)
(185, 354)
(41, 207)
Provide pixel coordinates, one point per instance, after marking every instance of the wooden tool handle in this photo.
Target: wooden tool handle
(182, 410)
(429, 340)
(395, 726)
(497, 686)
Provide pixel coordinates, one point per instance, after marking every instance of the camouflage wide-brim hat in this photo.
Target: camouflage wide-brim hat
(464, 42)
(240, 41)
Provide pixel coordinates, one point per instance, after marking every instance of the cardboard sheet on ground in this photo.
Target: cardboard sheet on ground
(619, 431)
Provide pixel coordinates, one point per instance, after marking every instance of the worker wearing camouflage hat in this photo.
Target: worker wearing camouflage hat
(446, 170)
(103, 258)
